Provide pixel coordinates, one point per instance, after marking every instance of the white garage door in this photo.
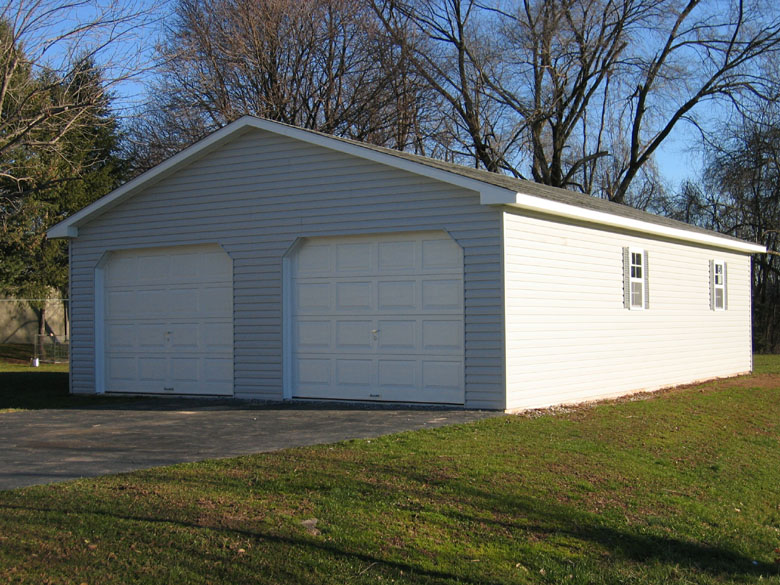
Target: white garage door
(378, 318)
(169, 321)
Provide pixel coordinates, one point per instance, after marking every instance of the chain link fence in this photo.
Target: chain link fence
(51, 349)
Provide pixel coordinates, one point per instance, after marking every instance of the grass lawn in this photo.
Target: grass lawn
(23, 387)
(682, 487)
(18, 352)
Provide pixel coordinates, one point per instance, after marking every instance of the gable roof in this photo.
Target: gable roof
(493, 188)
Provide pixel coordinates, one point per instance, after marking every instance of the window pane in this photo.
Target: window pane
(719, 274)
(636, 265)
(718, 298)
(637, 295)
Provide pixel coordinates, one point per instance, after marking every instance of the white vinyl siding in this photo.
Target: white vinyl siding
(568, 335)
(255, 196)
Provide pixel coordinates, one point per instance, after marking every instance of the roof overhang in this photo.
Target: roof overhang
(488, 194)
(68, 228)
(558, 209)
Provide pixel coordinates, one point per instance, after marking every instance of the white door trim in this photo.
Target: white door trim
(287, 303)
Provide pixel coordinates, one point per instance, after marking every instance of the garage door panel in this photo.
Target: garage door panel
(122, 368)
(354, 258)
(152, 369)
(395, 375)
(153, 268)
(354, 296)
(185, 370)
(313, 371)
(189, 268)
(123, 270)
(397, 295)
(397, 257)
(169, 321)
(181, 302)
(394, 304)
(354, 372)
(442, 295)
(121, 335)
(312, 297)
(185, 336)
(121, 303)
(313, 335)
(151, 336)
(353, 336)
(397, 335)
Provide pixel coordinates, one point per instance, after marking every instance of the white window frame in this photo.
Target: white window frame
(719, 286)
(636, 279)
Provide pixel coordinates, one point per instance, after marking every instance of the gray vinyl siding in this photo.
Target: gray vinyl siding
(255, 196)
(569, 337)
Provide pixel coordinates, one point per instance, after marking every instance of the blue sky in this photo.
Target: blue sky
(677, 158)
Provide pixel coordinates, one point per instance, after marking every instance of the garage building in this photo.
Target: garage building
(271, 262)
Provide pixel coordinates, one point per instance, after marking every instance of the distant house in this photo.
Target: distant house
(271, 262)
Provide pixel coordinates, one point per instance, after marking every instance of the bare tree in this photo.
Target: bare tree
(543, 84)
(699, 52)
(319, 64)
(45, 47)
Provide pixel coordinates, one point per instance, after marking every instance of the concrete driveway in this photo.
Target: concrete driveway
(45, 446)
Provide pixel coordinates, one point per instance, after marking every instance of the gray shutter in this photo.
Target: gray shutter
(626, 279)
(712, 285)
(647, 281)
(725, 287)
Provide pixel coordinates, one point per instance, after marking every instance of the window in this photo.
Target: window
(718, 297)
(635, 281)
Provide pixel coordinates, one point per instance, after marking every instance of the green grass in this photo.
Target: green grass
(682, 487)
(766, 364)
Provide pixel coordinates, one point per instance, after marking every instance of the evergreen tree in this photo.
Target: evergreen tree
(41, 186)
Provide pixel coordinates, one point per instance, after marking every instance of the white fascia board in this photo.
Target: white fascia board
(558, 209)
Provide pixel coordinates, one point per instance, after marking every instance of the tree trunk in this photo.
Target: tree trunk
(41, 331)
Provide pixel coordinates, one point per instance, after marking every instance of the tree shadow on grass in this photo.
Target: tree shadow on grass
(311, 545)
(716, 561)
(538, 518)
(525, 518)
(38, 390)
